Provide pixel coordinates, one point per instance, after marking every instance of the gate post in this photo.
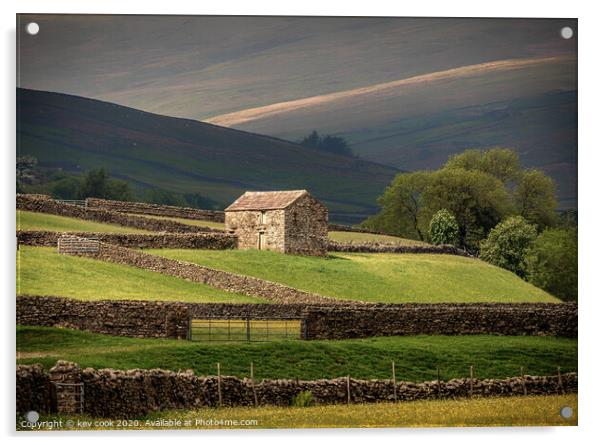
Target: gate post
(66, 379)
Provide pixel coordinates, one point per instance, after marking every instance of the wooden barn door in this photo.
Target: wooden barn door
(261, 243)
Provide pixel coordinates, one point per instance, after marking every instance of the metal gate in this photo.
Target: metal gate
(244, 330)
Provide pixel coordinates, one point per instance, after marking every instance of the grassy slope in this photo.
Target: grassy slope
(416, 358)
(376, 277)
(358, 237)
(42, 271)
(43, 221)
(79, 134)
(497, 411)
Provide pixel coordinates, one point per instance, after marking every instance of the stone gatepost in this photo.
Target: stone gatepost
(69, 389)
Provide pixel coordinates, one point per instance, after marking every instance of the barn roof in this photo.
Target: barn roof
(266, 200)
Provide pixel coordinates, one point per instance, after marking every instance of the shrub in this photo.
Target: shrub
(507, 244)
(552, 263)
(303, 399)
(443, 228)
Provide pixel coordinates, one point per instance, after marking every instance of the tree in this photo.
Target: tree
(68, 187)
(96, 184)
(332, 144)
(507, 244)
(551, 263)
(443, 228)
(478, 201)
(401, 206)
(502, 163)
(534, 197)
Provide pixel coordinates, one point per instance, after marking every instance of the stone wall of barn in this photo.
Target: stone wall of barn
(306, 227)
(247, 225)
(120, 394)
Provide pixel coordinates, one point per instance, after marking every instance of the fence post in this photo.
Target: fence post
(438, 384)
(560, 386)
(471, 380)
(394, 380)
(348, 391)
(219, 385)
(522, 375)
(248, 329)
(253, 385)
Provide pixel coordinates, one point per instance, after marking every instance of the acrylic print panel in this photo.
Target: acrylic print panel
(292, 222)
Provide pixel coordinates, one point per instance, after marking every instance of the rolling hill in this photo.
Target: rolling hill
(181, 155)
(417, 122)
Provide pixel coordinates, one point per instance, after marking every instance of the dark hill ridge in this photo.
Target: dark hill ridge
(183, 155)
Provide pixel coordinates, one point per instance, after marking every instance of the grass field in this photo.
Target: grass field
(416, 358)
(359, 237)
(387, 278)
(42, 271)
(496, 411)
(43, 221)
(190, 222)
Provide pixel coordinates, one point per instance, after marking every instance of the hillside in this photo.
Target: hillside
(375, 277)
(417, 122)
(149, 150)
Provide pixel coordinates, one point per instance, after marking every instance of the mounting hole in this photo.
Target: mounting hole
(32, 416)
(566, 412)
(32, 28)
(566, 32)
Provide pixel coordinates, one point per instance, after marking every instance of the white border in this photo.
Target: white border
(590, 163)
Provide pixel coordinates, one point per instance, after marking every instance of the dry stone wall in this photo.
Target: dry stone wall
(137, 392)
(170, 319)
(155, 209)
(441, 319)
(334, 246)
(201, 240)
(35, 203)
(242, 284)
(34, 392)
(127, 318)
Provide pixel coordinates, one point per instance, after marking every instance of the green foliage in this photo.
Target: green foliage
(416, 357)
(479, 187)
(97, 184)
(68, 187)
(552, 263)
(443, 228)
(478, 201)
(501, 163)
(507, 244)
(401, 206)
(332, 144)
(303, 399)
(383, 278)
(535, 200)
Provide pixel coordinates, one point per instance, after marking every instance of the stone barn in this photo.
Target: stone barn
(284, 221)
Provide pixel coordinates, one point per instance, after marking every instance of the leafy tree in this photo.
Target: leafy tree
(534, 197)
(478, 201)
(502, 163)
(165, 197)
(401, 206)
(68, 187)
(443, 228)
(96, 184)
(551, 263)
(508, 243)
(332, 144)
(199, 201)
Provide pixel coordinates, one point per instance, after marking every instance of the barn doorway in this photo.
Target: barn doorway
(261, 241)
